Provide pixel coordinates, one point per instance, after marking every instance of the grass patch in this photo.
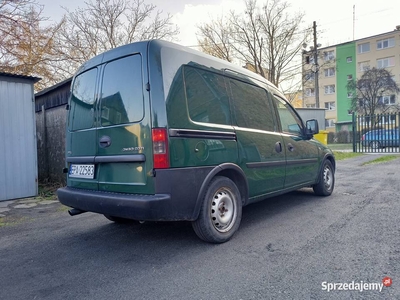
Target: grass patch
(339, 155)
(11, 221)
(382, 159)
(63, 208)
(341, 146)
(48, 191)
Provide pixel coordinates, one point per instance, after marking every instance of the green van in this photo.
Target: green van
(160, 132)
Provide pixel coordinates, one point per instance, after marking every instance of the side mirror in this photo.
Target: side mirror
(311, 128)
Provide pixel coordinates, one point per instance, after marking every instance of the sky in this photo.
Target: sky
(334, 21)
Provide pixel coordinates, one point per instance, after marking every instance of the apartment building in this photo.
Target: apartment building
(338, 64)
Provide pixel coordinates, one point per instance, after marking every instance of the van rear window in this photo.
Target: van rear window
(122, 92)
(82, 101)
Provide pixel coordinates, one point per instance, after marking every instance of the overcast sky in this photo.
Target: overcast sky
(334, 18)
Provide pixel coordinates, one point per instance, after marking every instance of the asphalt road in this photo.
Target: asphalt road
(288, 247)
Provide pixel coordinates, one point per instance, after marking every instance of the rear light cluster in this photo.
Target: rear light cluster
(160, 148)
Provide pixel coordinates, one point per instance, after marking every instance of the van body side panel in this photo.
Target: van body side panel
(263, 165)
(302, 161)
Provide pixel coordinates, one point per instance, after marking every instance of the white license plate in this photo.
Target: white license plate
(81, 171)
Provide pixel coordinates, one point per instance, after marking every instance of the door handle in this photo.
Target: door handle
(278, 147)
(105, 141)
(290, 147)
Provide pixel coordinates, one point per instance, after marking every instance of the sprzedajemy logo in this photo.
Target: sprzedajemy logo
(356, 286)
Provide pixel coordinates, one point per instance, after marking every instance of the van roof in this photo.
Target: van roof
(144, 45)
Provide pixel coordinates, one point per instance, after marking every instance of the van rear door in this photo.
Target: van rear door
(81, 138)
(124, 147)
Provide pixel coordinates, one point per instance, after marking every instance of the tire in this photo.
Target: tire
(326, 181)
(220, 213)
(118, 219)
(375, 145)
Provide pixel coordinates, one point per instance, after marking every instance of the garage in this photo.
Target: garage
(18, 154)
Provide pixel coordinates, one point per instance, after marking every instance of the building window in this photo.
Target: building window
(350, 77)
(387, 100)
(310, 92)
(310, 76)
(385, 62)
(329, 55)
(329, 72)
(329, 123)
(362, 48)
(363, 102)
(390, 119)
(349, 59)
(363, 66)
(330, 89)
(386, 43)
(310, 59)
(330, 105)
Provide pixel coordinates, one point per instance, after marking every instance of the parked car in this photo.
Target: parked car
(381, 138)
(160, 132)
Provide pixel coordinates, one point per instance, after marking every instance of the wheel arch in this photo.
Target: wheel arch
(231, 171)
(332, 161)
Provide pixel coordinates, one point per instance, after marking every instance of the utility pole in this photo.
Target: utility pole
(316, 65)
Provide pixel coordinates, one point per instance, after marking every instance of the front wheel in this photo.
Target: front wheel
(220, 213)
(326, 182)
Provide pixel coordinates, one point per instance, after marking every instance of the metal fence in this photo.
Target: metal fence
(377, 133)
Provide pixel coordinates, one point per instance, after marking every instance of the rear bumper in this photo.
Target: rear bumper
(131, 206)
(175, 198)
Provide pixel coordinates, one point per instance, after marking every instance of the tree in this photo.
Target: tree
(267, 39)
(374, 92)
(27, 47)
(106, 24)
(216, 39)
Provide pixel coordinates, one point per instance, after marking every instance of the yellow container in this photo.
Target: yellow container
(322, 136)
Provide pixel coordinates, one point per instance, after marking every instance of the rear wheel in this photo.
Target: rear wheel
(326, 180)
(220, 213)
(375, 145)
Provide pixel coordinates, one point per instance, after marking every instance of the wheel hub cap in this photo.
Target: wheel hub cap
(223, 210)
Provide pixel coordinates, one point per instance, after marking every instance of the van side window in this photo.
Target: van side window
(206, 96)
(290, 122)
(82, 101)
(251, 106)
(122, 93)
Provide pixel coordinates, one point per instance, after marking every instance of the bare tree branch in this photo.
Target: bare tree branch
(267, 40)
(374, 92)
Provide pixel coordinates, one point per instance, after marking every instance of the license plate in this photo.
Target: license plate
(81, 171)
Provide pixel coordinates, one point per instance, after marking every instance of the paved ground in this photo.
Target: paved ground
(288, 247)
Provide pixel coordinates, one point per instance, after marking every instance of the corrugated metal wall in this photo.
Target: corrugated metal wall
(18, 159)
